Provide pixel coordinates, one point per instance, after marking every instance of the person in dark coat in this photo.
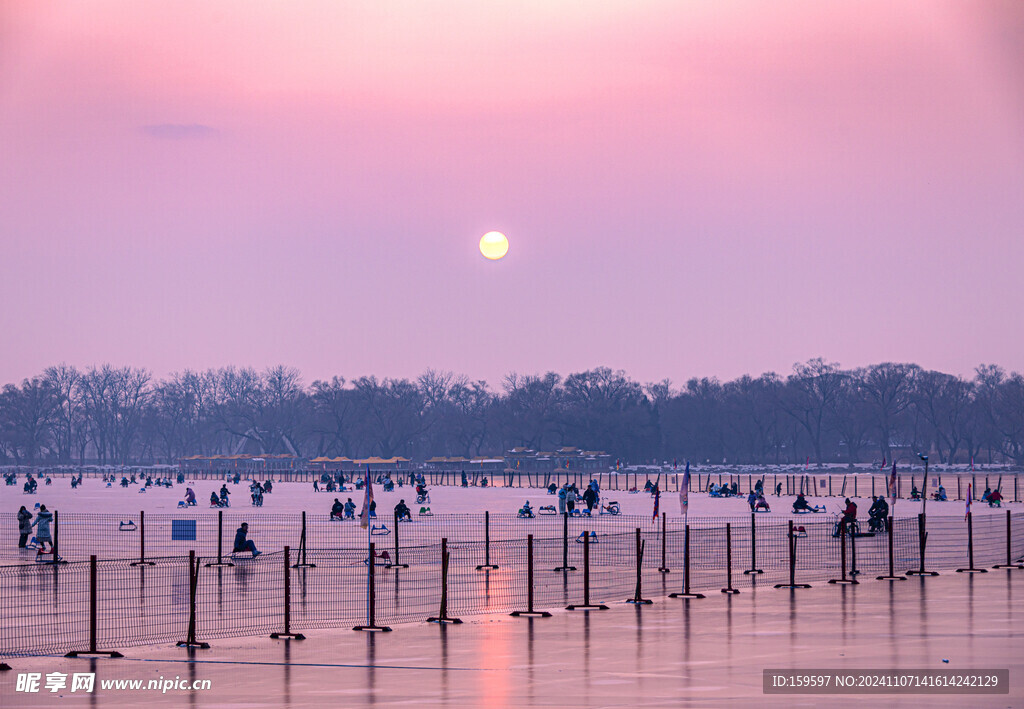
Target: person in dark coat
(24, 526)
(242, 544)
(590, 497)
(402, 510)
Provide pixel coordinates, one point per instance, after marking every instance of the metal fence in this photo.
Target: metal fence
(440, 568)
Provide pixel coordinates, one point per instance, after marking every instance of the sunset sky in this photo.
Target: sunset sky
(689, 188)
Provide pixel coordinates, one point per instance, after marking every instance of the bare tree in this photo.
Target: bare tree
(809, 394)
(27, 417)
(888, 388)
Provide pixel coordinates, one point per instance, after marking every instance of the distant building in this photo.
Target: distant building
(242, 463)
(458, 464)
(569, 458)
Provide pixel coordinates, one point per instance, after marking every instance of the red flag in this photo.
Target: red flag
(657, 498)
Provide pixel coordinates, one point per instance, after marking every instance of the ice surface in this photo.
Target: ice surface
(708, 652)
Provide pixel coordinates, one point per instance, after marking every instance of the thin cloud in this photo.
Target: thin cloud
(179, 131)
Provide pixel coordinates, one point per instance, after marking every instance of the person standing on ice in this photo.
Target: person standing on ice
(570, 501)
(43, 520)
(562, 492)
(24, 526)
(590, 497)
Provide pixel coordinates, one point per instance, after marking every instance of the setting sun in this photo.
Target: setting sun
(493, 245)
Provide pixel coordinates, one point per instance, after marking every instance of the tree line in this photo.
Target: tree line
(820, 412)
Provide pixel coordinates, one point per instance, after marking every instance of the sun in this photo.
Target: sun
(493, 245)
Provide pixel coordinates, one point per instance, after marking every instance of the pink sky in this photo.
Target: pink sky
(689, 189)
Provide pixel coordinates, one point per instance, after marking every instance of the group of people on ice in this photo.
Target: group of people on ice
(568, 497)
(41, 524)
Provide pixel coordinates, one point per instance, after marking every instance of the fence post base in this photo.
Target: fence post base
(565, 568)
(481, 567)
(753, 571)
(373, 628)
(4, 667)
(142, 563)
(93, 653)
(792, 585)
(1008, 566)
(313, 566)
(972, 571)
(219, 563)
(286, 636)
(530, 614)
(918, 572)
(639, 601)
(890, 578)
(443, 619)
(188, 643)
(587, 607)
(730, 591)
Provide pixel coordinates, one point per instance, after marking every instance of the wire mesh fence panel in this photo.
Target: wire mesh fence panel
(43, 608)
(576, 559)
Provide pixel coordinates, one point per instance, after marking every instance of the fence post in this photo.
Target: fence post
(728, 560)
(287, 602)
(922, 541)
(638, 598)
(970, 550)
(1009, 549)
(753, 545)
(142, 542)
(443, 617)
(302, 561)
(193, 586)
(220, 543)
(565, 546)
(792, 563)
(529, 612)
(395, 564)
(686, 569)
(854, 571)
(92, 651)
(371, 597)
(889, 526)
(586, 605)
(842, 557)
(56, 540)
(487, 544)
(664, 538)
